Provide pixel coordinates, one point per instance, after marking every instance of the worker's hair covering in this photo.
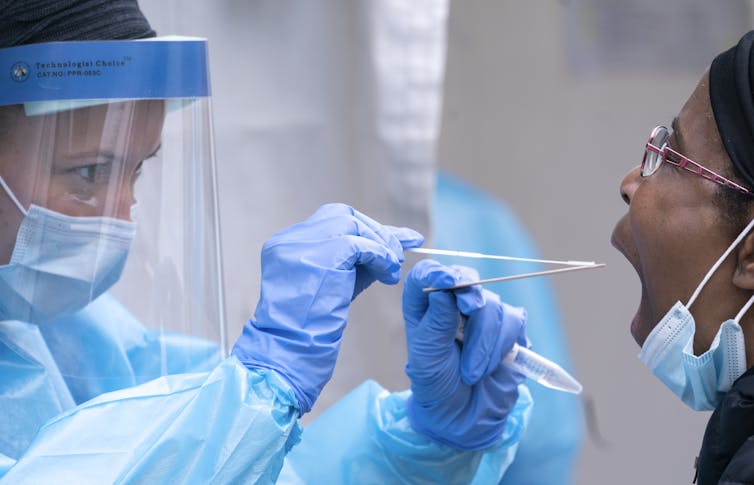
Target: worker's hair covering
(35, 21)
(731, 90)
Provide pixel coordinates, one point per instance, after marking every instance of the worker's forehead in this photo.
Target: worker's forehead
(125, 129)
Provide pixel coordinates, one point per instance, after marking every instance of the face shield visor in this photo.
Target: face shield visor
(109, 246)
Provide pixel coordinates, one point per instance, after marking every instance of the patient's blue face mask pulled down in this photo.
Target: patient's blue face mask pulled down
(700, 381)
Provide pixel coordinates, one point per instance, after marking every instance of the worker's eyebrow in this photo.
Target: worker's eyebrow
(86, 157)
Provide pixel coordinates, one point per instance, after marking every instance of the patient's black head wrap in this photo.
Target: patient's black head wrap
(731, 90)
(34, 21)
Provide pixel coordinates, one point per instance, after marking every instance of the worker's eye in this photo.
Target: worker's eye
(93, 173)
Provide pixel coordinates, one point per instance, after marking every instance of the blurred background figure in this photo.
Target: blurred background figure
(464, 217)
(529, 103)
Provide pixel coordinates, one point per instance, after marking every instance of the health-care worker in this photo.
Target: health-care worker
(688, 233)
(111, 337)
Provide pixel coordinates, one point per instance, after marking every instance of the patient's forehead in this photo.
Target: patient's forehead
(696, 133)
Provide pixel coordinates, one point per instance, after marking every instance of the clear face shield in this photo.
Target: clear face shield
(109, 246)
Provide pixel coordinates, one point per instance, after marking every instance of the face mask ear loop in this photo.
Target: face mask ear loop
(719, 262)
(12, 196)
(743, 310)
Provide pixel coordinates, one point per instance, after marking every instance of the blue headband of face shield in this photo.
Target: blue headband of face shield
(60, 76)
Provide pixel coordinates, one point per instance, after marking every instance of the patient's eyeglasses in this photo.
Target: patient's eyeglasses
(658, 151)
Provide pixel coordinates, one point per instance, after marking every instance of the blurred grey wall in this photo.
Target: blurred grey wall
(547, 106)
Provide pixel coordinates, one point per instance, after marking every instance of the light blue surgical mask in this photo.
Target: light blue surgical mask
(700, 381)
(60, 263)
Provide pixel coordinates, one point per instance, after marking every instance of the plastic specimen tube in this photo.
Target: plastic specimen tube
(541, 370)
(535, 367)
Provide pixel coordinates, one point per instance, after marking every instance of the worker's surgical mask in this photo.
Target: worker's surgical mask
(700, 381)
(60, 263)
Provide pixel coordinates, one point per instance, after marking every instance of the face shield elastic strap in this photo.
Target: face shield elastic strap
(717, 264)
(12, 196)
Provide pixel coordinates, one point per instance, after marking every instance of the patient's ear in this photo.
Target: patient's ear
(744, 274)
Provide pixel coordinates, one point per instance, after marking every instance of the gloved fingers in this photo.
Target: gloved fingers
(471, 298)
(366, 254)
(407, 236)
(433, 356)
(329, 211)
(347, 221)
(442, 317)
(330, 222)
(335, 220)
(504, 381)
(338, 242)
(373, 262)
(430, 273)
(382, 236)
(366, 275)
(489, 334)
(327, 222)
(425, 273)
(328, 214)
(390, 235)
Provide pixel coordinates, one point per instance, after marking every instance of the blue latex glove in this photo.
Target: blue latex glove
(460, 396)
(310, 273)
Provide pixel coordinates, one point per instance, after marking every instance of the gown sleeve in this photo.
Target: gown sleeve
(236, 426)
(366, 438)
(230, 425)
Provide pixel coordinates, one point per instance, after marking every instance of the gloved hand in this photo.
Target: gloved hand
(460, 396)
(310, 273)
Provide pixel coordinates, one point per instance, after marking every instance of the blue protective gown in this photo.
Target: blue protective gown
(65, 420)
(465, 218)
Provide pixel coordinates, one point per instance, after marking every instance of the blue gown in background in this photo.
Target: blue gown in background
(466, 219)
